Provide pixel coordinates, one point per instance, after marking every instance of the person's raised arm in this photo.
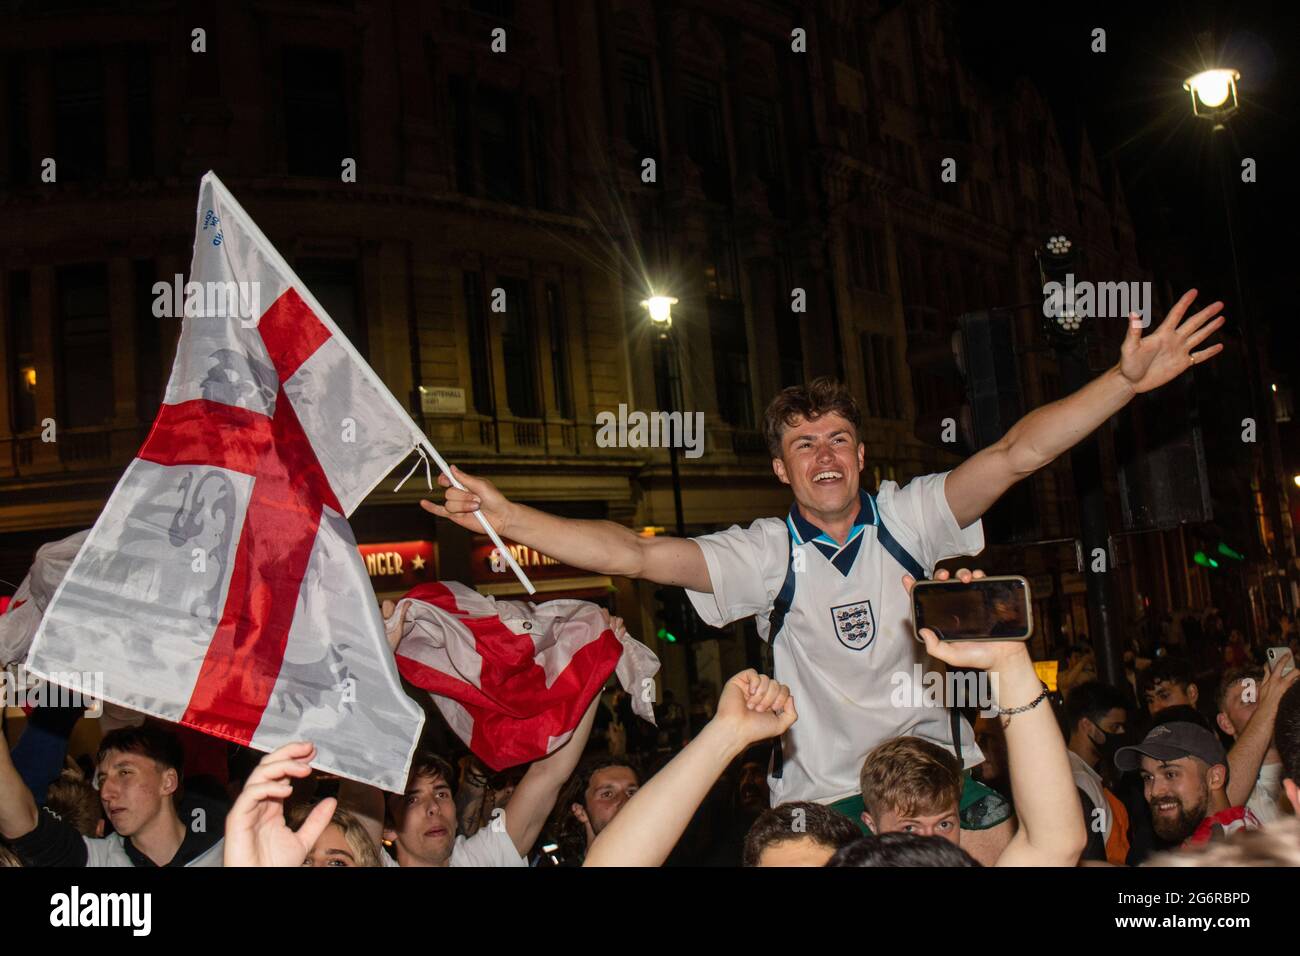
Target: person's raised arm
(18, 811)
(1146, 362)
(1252, 743)
(603, 547)
(256, 834)
(1042, 786)
(531, 803)
(751, 708)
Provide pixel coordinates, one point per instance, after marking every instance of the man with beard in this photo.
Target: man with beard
(1095, 715)
(1185, 779)
(593, 796)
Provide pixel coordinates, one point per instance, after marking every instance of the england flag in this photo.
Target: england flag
(221, 587)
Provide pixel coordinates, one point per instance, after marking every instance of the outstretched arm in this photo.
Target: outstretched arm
(600, 546)
(1146, 362)
(644, 832)
(1252, 743)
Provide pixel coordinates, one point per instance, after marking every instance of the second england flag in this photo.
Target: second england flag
(221, 587)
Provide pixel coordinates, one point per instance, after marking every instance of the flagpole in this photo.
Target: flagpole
(487, 525)
(273, 255)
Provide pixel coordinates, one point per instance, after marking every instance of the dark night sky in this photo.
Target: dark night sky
(1132, 102)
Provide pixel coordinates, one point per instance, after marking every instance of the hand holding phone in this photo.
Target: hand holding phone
(1280, 660)
(980, 609)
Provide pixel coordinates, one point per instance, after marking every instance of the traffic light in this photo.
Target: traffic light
(1204, 560)
(1225, 551)
(1058, 267)
(672, 616)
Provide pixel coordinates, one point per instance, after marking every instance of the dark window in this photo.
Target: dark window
(720, 264)
(148, 340)
(765, 150)
(789, 340)
(139, 113)
(334, 284)
(22, 352)
(559, 351)
(500, 149)
(540, 156)
(85, 354)
(731, 363)
(519, 351)
(79, 116)
(20, 149)
(480, 363)
(501, 9)
(705, 142)
(462, 126)
(640, 126)
(315, 111)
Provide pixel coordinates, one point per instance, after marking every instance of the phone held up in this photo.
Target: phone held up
(1280, 660)
(986, 609)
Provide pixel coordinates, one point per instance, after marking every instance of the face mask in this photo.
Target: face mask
(1108, 745)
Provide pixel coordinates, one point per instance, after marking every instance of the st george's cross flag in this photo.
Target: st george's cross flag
(221, 588)
(513, 679)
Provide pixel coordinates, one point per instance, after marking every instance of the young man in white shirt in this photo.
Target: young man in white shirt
(1248, 701)
(844, 632)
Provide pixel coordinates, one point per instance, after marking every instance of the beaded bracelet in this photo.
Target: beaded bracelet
(1011, 712)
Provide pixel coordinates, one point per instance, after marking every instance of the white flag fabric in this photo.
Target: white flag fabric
(513, 679)
(221, 587)
(20, 620)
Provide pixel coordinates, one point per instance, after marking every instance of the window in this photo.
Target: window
(334, 284)
(519, 351)
(720, 264)
(139, 113)
(462, 125)
(789, 340)
(559, 351)
(85, 354)
(22, 352)
(149, 353)
(79, 116)
(20, 149)
(640, 125)
(315, 111)
(705, 142)
(765, 150)
(500, 149)
(539, 152)
(880, 367)
(731, 363)
(480, 362)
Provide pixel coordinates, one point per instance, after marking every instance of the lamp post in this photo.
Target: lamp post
(1214, 98)
(660, 310)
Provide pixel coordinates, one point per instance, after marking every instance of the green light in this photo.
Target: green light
(1204, 560)
(1227, 552)
(664, 635)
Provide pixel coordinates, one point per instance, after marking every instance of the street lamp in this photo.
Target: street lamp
(660, 308)
(1214, 94)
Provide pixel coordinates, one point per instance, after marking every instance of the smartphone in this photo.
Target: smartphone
(1280, 660)
(987, 609)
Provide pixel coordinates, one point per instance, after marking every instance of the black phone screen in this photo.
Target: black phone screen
(982, 610)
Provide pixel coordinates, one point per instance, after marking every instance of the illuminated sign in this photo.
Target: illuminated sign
(487, 565)
(399, 564)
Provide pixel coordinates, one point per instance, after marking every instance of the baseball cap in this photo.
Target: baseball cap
(1172, 741)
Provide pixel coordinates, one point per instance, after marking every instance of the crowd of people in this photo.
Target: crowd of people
(1096, 775)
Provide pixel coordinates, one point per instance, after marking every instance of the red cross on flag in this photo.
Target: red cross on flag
(221, 587)
(513, 679)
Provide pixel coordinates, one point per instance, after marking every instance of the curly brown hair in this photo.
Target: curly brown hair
(808, 402)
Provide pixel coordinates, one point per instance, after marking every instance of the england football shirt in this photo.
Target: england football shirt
(847, 648)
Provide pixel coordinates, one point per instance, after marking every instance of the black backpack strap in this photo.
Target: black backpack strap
(775, 621)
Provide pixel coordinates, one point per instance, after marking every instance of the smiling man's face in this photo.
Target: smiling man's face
(821, 460)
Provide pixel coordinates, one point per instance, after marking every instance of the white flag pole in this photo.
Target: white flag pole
(487, 525)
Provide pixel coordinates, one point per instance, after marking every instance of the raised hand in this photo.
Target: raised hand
(1149, 361)
(256, 834)
(754, 707)
(479, 495)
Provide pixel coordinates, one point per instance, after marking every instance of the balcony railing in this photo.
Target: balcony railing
(73, 449)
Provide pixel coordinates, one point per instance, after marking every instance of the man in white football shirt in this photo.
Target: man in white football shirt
(841, 629)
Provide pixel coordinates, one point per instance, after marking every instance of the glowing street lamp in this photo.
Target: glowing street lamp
(660, 308)
(1214, 94)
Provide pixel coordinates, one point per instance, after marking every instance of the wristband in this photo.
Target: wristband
(1012, 711)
